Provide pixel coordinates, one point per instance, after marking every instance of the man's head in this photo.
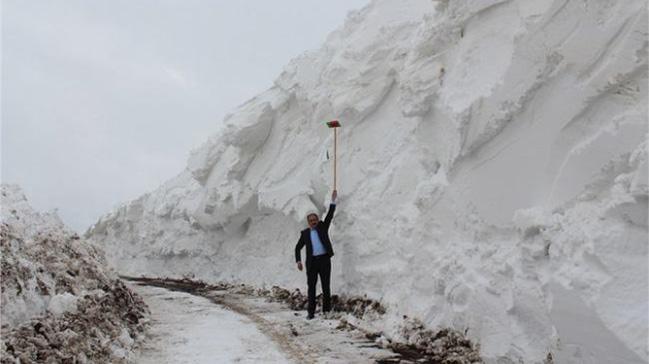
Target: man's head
(312, 220)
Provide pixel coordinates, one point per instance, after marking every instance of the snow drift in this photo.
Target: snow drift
(60, 301)
(493, 176)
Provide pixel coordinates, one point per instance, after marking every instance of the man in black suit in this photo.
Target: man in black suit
(318, 256)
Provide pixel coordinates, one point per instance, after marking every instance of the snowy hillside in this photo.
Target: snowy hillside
(493, 176)
(59, 299)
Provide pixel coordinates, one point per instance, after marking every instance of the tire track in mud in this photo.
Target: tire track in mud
(286, 344)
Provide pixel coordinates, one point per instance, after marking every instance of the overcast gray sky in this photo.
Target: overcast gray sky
(102, 100)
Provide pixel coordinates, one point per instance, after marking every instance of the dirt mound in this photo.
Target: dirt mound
(60, 301)
(104, 326)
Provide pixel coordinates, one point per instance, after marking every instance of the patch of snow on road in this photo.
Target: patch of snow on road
(190, 329)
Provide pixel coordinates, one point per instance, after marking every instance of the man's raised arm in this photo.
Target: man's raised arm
(332, 209)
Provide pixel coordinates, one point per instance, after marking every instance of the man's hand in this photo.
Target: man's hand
(299, 265)
(334, 194)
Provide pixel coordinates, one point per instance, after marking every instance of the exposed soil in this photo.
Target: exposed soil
(60, 304)
(85, 336)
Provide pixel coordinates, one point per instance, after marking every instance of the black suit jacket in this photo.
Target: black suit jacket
(323, 232)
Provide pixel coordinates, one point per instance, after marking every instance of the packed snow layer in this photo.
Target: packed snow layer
(194, 330)
(60, 300)
(493, 176)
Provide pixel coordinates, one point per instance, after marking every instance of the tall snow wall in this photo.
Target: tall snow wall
(492, 176)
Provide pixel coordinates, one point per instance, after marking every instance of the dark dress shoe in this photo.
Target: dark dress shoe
(309, 316)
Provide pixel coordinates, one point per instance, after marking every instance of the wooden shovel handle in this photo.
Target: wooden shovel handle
(335, 155)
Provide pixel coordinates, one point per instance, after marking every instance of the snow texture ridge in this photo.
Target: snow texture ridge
(493, 176)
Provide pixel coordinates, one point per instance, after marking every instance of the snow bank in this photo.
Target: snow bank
(42, 261)
(493, 176)
(60, 301)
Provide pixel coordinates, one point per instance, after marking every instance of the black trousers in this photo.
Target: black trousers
(320, 266)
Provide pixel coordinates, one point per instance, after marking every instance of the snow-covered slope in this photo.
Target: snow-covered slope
(493, 175)
(60, 301)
